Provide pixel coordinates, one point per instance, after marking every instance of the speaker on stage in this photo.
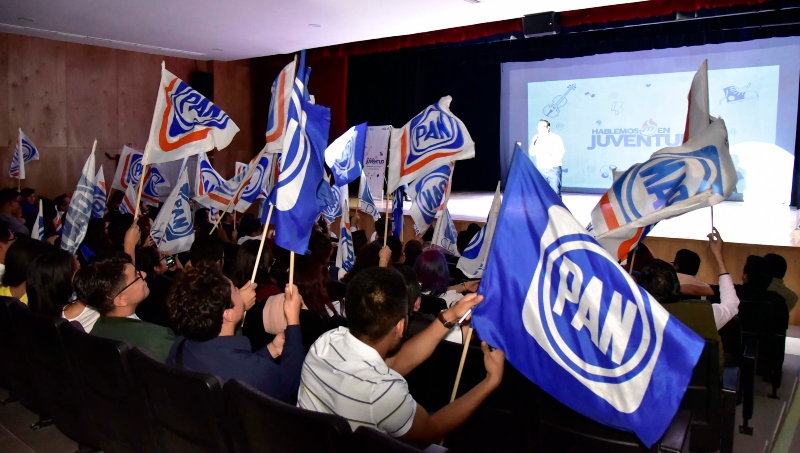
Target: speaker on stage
(541, 24)
(203, 82)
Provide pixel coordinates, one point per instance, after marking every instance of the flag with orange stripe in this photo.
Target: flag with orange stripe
(185, 123)
(279, 108)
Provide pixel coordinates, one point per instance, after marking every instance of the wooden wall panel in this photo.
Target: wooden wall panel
(138, 78)
(233, 93)
(37, 89)
(181, 67)
(91, 96)
(7, 130)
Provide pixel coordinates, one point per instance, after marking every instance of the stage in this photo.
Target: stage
(754, 228)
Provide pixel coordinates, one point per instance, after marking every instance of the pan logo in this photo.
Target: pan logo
(589, 316)
(432, 130)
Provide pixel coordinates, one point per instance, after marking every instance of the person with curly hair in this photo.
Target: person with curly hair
(112, 286)
(206, 308)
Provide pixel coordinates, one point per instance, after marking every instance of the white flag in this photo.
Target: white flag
(345, 255)
(365, 201)
(173, 230)
(37, 232)
(76, 221)
(185, 123)
(473, 261)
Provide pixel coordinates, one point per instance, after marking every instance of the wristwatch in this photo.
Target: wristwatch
(447, 324)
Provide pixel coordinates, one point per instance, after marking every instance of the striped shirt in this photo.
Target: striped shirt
(343, 376)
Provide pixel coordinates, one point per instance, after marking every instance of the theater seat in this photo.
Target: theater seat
(17, 374)
(40, 339)
(112, 397)
(369, 440)
(260, 423)
(186, 407)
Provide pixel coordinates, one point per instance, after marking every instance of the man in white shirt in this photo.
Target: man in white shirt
(548, 149)
(357, 373)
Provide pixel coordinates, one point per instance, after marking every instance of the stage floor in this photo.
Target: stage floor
(753, 223)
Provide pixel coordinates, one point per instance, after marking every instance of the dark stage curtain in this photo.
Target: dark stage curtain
(392, 87)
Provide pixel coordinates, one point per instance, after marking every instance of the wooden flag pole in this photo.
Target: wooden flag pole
(461, 364)
(139, 195)
(633, 258)
(263, 239)
(221, 215)
(291, 271)
(386, 223)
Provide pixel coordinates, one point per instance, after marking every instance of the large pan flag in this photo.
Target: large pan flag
(76, 220)
(573, 321)
(173, 230)
(185, 123)
(433, 138)
(675, 180)
(301, 169)
(24, 151)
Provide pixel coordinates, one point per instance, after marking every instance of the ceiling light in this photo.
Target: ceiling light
(314, 25)
(217, 49)
(473, 1)
(25, 19)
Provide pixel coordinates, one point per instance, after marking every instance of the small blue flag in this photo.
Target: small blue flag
(573, 321)
(345, 156)
(397, 212)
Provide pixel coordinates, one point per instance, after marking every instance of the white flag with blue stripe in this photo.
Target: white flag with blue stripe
(173, 230)
(76, 220)
(428, 193)
(345, 255)
(345, 156)
(37, 232)
(100, 196)
(473, 261)
(365, 201)
(334, 209)
(24, 151)
(573, 321)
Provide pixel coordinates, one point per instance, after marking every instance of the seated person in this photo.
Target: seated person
(206, 249)
(206, 308)
(660, 280)
(250, 229)
(357, 372)
(686, 264)
(418, 320)
(434, 275)
(777, 266)
(19, 258)
(112, 286)
(154, 265)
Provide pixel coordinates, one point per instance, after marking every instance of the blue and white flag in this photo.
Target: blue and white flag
(573, 321)
(345, 156)
(334, 210)
(397, 212)
(255, 181)
(279, 108)
(37, 232)
(433, 138)
(76, 221)
(365, 201)
(473, 261)
(301, 170)
(206, 178)
(100, 196)
(428, 194)
(129, 169)
(155, 186)
(173, 230)
(345, 255)
(24, 151)
(128, 204)
(444, 234)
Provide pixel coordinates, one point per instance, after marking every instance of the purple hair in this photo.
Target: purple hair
(432, 272)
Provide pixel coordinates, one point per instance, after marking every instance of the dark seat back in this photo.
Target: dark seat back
(112, 396)
(258, 422)
(186, 407)
(367, 439)
(17, 373)
(703, 398)
(40, 340)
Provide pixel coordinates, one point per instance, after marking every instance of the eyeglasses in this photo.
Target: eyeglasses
(138, 277)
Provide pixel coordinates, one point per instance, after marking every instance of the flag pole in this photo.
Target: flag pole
(291, 271)
(139, 194)
(386, 223)
(712, 218)
(261, 246)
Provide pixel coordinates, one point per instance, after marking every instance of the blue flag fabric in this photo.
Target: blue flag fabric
(345, 156)
(76, 220)
(428, 192)
(334, 209)
(554, 302)
(397, 212)
(301, 170)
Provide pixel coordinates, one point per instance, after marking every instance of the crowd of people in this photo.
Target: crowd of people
(333, 341)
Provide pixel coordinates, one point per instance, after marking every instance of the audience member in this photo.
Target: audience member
(19, 257)
(434, 275)
(777, 267)
(206, 250)
(62, 203)
(661, 280)
(114, 200)
(250, 228)
(373, 254)
(413, 249)
(380, 227)
(6, 239)
(112, 286)
(11, 213)
(153, 264)
(145, 225)
(49, 282)
(418, 320)
(357, 373)
(28, 206)
(396, 246)
(687, 264)
(206, 307)
(241, 271)
(97, 236)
